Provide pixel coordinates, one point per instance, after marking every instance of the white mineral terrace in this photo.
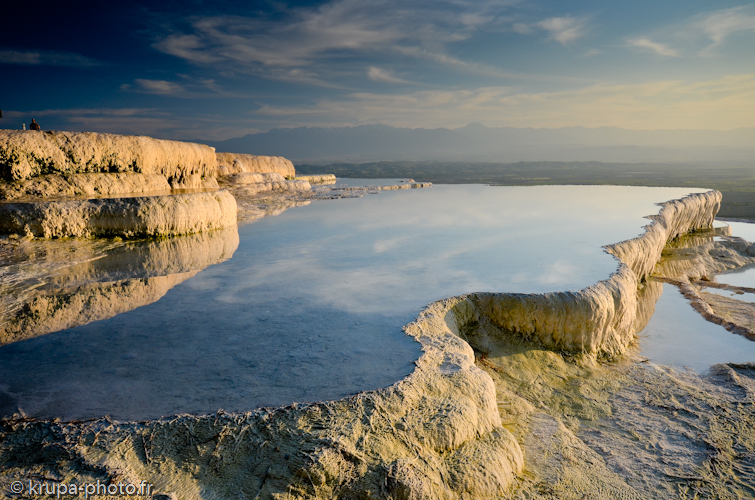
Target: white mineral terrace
(310, 297)
(311, 307)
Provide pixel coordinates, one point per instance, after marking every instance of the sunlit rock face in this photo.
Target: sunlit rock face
(318, 178)
(105, 282)
(84, 186)
(675, 218)
(252, 183)
(236, 163)
(600, 320)
(27, 154)
(166, 215)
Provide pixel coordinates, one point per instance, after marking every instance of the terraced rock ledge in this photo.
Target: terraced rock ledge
(437, 434)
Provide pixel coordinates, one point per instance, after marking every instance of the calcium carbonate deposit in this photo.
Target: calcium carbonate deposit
(527, 381)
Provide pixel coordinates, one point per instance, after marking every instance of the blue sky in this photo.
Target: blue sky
(194, 70)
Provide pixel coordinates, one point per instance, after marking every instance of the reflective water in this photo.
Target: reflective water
(744, 297)
(677, 335)
(312, 303)
(744, 277)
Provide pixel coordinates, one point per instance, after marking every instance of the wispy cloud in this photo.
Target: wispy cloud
(296, 44)
(380, 75)
(723, 103)
(721, 24)
(703, 34)
(564, 30)
(46, 58)
(160, 87)
(647, 44)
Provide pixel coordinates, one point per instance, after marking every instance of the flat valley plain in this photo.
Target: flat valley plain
(735, 181)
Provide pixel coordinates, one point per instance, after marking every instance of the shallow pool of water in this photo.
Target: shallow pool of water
(677, 335)
(744, 297)
(311, 305)
(744, 277)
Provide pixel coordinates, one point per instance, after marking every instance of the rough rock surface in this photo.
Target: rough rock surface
(600, 319)
(691, 264)
(317, 179)
(83, 185)
(252, 183)
(130, 217)
(675, 218)
(236, 163)
(26, 154)
(435, 435)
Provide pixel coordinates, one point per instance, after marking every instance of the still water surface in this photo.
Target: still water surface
(311, 305)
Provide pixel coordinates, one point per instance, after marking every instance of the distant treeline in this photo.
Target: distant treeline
(737, 183)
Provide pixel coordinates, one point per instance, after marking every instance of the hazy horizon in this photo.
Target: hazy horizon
(192, 70)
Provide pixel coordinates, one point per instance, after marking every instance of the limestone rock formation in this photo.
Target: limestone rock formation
(437, 434)
(675, 218)
(130, 217)
(27, 154)
(317, 179)
(84, 185)
(249, 184)
(236, 163)
(600, 320)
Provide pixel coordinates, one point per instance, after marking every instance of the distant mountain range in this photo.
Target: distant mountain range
(478, 143)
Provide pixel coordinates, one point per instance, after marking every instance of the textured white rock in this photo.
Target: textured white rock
(675, 218)
(84, 185)
(252, 183)
(26, 154)
(317, 179)
(601, 319)
(166, 215)
(236, 163)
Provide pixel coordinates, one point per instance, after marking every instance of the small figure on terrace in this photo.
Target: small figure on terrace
(33, 125)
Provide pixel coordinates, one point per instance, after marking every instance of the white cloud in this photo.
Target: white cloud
(46, 58)
(564, 30)
(379, 75)
(721, 24)
(705, 33)
(160, 87)
(522, 29)
(314, 39)
(648, 44)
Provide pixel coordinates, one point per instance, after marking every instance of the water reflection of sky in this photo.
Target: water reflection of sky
(312, 303)
(677, 335)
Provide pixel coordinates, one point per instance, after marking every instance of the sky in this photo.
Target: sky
(215, 70)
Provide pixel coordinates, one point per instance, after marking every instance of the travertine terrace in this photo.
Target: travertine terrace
(437, 433)
(83, 184)
(236, 163)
